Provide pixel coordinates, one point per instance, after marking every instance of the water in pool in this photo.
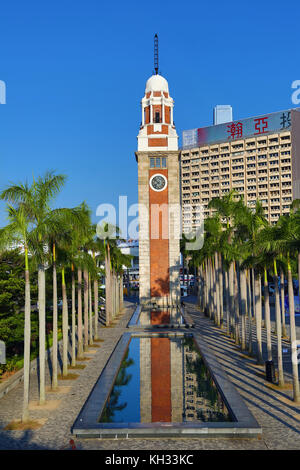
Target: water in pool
(163, 379)
(156, 317)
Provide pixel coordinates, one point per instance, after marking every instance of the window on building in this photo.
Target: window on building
(158, 162)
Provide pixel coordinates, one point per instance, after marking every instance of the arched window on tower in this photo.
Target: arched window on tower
(157, 117)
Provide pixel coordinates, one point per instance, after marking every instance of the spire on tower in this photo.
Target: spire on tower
(156, 54)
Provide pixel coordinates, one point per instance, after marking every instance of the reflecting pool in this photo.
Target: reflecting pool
(163, 379)
(157, 317)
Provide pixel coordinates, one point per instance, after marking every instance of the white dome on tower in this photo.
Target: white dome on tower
(157, 83)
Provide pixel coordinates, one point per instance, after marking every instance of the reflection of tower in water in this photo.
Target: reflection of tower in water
(161, 316)
(175, 384)
(161, 379)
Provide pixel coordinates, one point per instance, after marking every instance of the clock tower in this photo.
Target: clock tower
(159, 197)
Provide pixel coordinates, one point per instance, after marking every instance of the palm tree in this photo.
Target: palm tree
(61, 236)
(73, 317)
(36, 201)
(80, 231)
(95, 246)
(109, 234)
(17, 231)
(86, 308)
(269, 237)
(288, 243)
(226, 208)
(98, 257)
(90, 311)
(295, 211)
(119, 260)
(278, 328)
(55, 317)
(248, 224)
(284, 333)
(284, 240)
(65, 326)
(62, 261)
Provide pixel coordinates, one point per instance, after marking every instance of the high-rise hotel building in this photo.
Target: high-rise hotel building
(259, 157)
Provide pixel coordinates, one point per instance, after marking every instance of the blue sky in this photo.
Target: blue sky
(75, 73)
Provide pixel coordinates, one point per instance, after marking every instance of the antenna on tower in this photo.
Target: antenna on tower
(156, 54)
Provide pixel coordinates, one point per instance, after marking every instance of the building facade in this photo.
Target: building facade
(222, 113)
(259, 157)
(158, 192)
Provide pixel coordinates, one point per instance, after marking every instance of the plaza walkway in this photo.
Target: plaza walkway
(279, 418)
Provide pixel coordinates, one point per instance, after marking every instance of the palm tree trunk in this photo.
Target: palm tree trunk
(231, 298)
(128, 283)
(278, 329)
(227, 302)
(243, 307)
(209, 287)
(249, 312)
(27, 335)
(284, 334)
(79, 307)
(237, 306)
(217, 290)
(121, 293)
(214, 291)
(205, 286)
(107, 287)
(253, 292)
(221, 290)
(118, 293)
(201, 300)
(267, 315)
(64, 323)
(73, 319)
(293, 336)
(260, 300)
(86, 308)
(198, 284)
(257, 284)
(114, 294)
(42, 330)
(90, 312)
(55, 345)
(96, 308)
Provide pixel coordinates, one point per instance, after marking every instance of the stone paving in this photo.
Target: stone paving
(280, 421)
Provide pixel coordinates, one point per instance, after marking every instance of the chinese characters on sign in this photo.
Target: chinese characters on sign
(235, 129)
(285, 119)
(261, 125)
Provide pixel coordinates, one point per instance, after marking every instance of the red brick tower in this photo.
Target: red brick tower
(159, 197)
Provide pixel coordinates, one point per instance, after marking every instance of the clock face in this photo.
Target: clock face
(158, 182)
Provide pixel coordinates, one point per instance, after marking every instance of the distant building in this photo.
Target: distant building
(131, 247)
(258, 157)
(222, 114)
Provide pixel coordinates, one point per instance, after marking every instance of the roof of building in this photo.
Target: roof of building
(157, 83)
